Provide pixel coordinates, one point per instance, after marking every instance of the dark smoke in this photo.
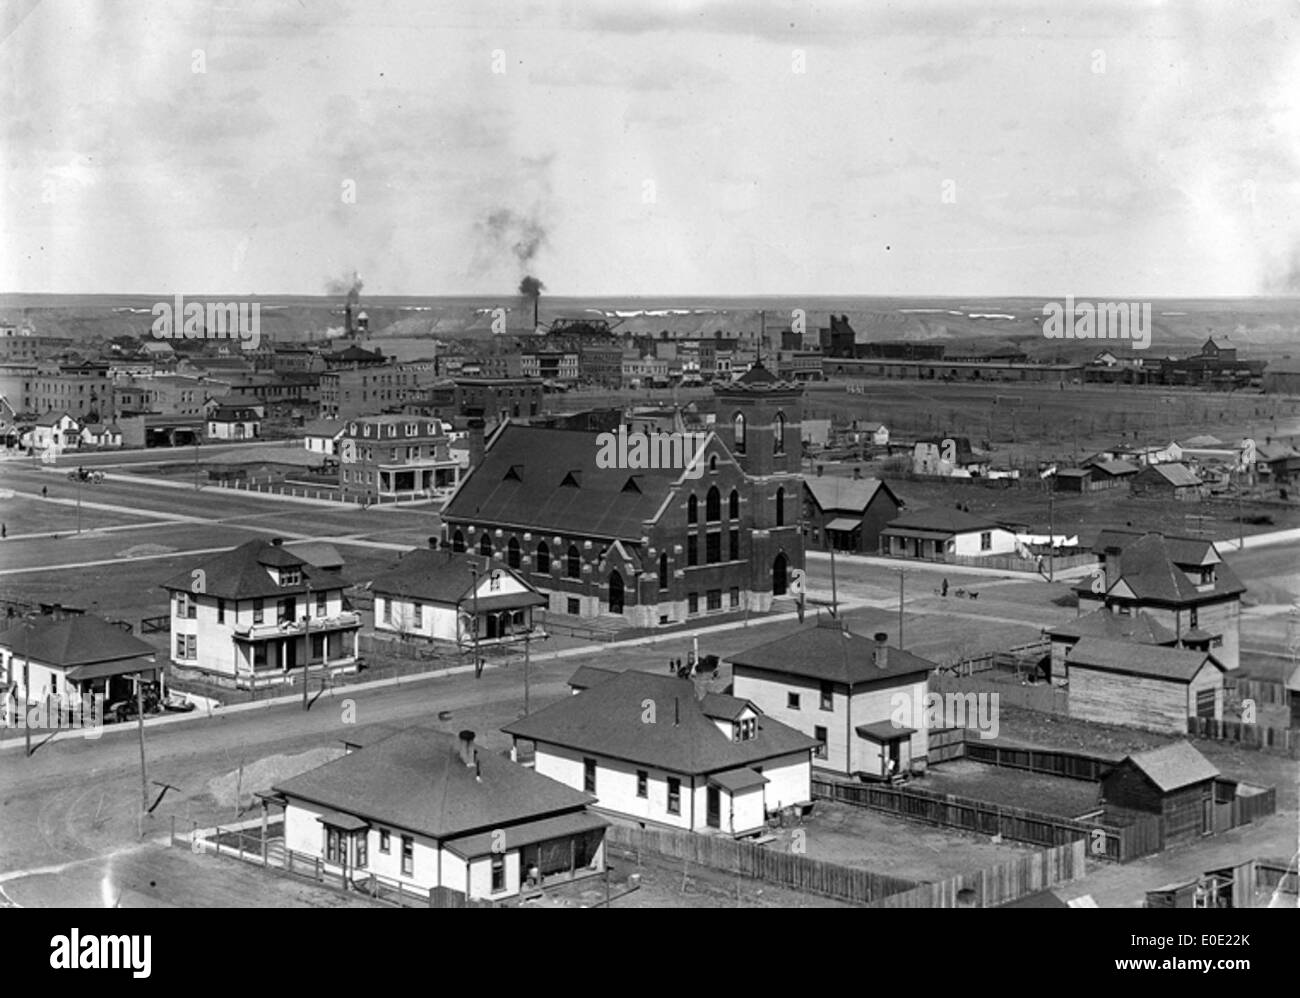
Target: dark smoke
(350, 286)
(524, 236)
(531, 287)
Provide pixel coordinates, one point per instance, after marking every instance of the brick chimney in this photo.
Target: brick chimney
(880, 653)
(475, 436)
(465, 745)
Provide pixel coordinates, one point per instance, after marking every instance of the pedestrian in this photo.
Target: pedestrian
(944, 591)
(672, 666)
(4, 531)
(45, 492)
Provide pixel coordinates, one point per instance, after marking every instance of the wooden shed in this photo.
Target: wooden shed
(1143, 685)
(1175, 782)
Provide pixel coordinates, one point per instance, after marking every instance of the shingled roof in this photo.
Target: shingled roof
(845, 494)
(1152, 568)
(1140, 627)
(1174, 766)
(548, 480)
(245, 573)
(82, 639)
(941, 519)
(833, 654)
(418, 781)
(439, 576)
(609, 719)
(1129, 657)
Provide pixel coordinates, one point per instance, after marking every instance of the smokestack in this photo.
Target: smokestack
(880, 654)
(277, 541)
(465, 746)
(433, 543)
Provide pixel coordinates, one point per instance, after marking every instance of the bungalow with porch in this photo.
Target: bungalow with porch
(427, 809)
(940, 533)
(101, 435)
(844, 690)
(70, 658)
(650, 748)
(258, 612)
(448, 596)
(233, 422)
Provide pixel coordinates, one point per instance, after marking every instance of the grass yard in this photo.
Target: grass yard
(1012, 787)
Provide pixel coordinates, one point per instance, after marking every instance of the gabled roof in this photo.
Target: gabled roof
(81, 639)
(941, 519)
(1180, 549)
(598, 505)
(1131, 658)
(846, 494)
(722, 707)
(53, 418)
(319, 553)
(331, 428)
(1177, 475)
(244, 573)
(1140, 627)
(609, 719)
(1202, 440)
(438, 576)
(1117, 467)
(1173, 766)
(832, 654)
(417, 781)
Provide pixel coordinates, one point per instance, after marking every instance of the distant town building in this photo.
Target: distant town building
(73, 656)
(940, 533)
(847, 514)
(395, 457)
(1168, 481)
(233, 422)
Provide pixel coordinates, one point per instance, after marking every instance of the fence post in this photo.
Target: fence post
(173, 839)
(218, 840)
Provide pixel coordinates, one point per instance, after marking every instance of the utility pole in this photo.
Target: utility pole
(478, 667)
(27, 687)
(835, 602)
(1051, 530)
(139, 726)
(306, 640)
(900, 609)
(528, 636)
(78, 500)
(196, 464)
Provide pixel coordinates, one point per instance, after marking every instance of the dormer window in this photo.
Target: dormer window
(290, 576)
(744, 730)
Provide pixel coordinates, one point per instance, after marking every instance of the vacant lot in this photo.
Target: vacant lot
(1012, 787)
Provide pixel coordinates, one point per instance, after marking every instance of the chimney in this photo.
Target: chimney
(476, 442)
(277, 541)
(537, 317)
(466, 747)
(347, 322)
(433, 543)
(880, 654)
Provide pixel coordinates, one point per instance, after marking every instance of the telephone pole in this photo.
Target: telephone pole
(306, 640)
(900, 609)
(139, 727)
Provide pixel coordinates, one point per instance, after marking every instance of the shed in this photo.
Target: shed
(1175, 782)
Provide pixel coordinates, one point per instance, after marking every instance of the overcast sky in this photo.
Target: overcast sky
(701, 148)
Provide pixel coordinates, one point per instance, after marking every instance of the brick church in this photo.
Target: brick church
(651, 545)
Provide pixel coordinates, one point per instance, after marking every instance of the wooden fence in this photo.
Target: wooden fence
(1072, 765)
(1262, 691)
(944, 744)
(757, 862)
(998, 884)
(1283, 741)
(1120, 841)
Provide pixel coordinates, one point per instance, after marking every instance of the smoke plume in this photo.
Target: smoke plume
(350, 286)
(531, 287)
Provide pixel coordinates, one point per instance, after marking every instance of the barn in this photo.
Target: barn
(1175, 782)
(1168, 481)
(1282, 377)
(1143, 685)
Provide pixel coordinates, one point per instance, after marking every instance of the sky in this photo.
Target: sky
(623, 147)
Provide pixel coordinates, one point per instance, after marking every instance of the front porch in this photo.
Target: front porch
(421, 479)
(265, 654)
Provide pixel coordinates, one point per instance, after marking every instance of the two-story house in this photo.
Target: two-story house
(650, 748)
(845, 690)
(257, 613)
(1181, 582)
(395, 457)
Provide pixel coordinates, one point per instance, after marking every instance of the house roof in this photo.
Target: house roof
(831, 654)
(1117, 467)
(417, 780)
(1039, 899)
(244, 573)
(331, 428)
(737, 780)
(757, 379)
(81, 639)
(519, 481)
(589, 675)
(1074, 473)
(1140, 627)
(1178, 475)
(721, 706)
(1202, 440)
(558, 826)
(845, 494)
(1149, 567)
(1172, 767)
(1134, 659)
(941, 519)
(318, 553)
(609, 719)
(443, 577)
(53, 418)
